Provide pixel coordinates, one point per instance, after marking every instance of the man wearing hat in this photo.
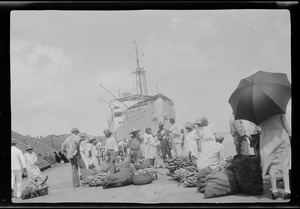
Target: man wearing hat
(33, 172)
(70, 148)
(18, 166)
(175, 137)
(111, 147)
(163, 135)
(134, 145)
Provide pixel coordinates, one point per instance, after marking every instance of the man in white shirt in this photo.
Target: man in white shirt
(111, 148)
(17, 167)
(175, 137)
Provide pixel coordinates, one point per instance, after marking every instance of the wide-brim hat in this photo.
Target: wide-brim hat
(189, 125)
(107, 131)
(160, 124)
(74, 130)
(92, 138)
(29, 147)
(204, 120)
(198, 121)
(14, 141)
(134, 130)
(172, 118)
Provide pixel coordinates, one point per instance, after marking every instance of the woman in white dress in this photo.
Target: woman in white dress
(275, 151)
(149, 146)
(190, 144)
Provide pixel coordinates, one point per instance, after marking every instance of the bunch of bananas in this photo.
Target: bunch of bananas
(189, 179)
(95, 181)
(152, 171)
(177, 163)
(181, 172)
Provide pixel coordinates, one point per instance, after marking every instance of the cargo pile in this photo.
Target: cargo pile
(177, 163)
(97, 180)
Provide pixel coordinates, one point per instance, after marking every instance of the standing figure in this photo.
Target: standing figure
(70, 148)
(92, 153)
(150, 142)
(190, 144)
(163, 135)
(275, 151)
(34, 174)
(199, 131)
(239, 135)
(111, 148)
(134, 145)
(17, 167)
(175, 137)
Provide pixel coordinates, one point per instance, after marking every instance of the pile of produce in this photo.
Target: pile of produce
(147, 171)
(187, 176)
(177, 163)
(96, 180)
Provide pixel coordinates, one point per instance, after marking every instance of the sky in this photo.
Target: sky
(195, 57)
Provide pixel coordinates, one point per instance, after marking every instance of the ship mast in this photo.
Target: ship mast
(140, 75)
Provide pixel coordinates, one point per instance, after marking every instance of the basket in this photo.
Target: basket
(43, 191)
(142, 179)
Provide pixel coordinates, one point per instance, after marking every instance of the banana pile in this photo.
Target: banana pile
(190, 179)
(177, 163)
(152, 171)
(119, 166)
(95, 181)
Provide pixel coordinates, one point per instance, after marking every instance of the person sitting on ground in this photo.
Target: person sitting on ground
(212, 155)
(34, 174)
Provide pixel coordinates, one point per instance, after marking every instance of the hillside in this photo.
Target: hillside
(44, 152)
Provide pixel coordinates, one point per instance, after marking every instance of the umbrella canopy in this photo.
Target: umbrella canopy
(260, 96)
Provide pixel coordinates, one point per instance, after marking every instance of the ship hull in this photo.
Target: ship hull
(146, 116)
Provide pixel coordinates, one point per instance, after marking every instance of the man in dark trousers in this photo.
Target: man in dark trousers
(70, 148)
(163, 135)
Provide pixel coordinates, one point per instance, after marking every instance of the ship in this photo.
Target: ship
(139, 110)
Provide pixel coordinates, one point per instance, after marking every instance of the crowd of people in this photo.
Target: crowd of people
(199, 141)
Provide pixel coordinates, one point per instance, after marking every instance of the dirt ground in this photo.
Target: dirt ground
(162, 190)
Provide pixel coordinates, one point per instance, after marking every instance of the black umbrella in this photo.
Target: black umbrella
(261, 96)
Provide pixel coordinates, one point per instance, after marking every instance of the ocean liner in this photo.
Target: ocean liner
(139, 110)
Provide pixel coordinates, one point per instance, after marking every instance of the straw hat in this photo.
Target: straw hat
(74, 130)
(160, 124)
(172, 118)
(198, 121)
(92, 138)
(134, 130)
(189, 125)
(204, 121)
(107, 131)
(13, 141)
(29, 147)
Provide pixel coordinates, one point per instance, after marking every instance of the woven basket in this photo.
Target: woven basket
(142, 179)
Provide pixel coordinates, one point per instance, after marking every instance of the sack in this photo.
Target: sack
(123, 178)
(29, 192)
(248, 174)
(201, 178)
(220, 184)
